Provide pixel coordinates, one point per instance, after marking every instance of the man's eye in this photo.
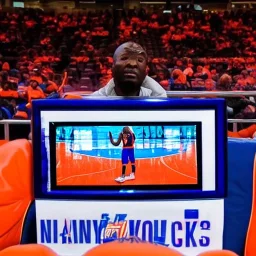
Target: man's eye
(140, 59)
(124, 58)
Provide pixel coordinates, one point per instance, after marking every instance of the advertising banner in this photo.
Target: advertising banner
(74, 227)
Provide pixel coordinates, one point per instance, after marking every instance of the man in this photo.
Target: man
(130, 74)
(127, 137)
(130, 79)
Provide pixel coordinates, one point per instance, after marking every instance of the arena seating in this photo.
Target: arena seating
(132, 246)
(16, 189)
(27, 250)
(44, 56)
(141, 249)
(218, 253)
(21, 228)
(185, 52)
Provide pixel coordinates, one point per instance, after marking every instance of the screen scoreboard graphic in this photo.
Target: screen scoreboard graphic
(129, 148)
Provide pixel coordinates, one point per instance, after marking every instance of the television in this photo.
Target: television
(129, 148)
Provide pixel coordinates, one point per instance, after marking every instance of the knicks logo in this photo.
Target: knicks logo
(115, 231)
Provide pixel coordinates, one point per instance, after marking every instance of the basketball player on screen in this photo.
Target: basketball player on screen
(127, 137)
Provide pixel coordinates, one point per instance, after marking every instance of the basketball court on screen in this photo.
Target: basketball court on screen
(101, 166)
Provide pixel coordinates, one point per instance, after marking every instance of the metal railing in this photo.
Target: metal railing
(171, 94)
(184, 94)
(6, 123)
(210, 94)
(240, 121)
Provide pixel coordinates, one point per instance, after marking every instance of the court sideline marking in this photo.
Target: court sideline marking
(166, 165)
(86, 174)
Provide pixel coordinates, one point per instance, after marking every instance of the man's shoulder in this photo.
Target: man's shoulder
(104, 92)
(145, 92)
(149, 87)
(154, 86)
(107, 90)
(100, 92)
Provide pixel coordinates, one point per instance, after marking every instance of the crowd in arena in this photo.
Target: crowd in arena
(136, 52)
(186, 51)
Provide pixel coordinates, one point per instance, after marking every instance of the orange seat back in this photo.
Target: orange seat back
(2, 142)
(72, 96)
(28, 250)
(245, 133)
(250, 246)
(131, 247)
(16, 189)
(218, 253)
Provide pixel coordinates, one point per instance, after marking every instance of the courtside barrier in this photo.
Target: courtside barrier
(237, 205)
(171, 94)
(199, 94)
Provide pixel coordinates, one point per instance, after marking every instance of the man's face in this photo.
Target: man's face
(130, 68)
(26, 76)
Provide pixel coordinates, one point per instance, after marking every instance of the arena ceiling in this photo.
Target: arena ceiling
(155, 4)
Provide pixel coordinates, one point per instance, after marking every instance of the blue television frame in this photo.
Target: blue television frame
(108, 104)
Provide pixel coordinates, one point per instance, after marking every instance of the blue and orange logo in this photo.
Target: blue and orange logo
(116, 229)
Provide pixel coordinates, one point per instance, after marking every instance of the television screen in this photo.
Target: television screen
(125, 154)
(129, 148)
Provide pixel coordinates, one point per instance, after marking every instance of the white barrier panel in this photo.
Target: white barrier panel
(74, 227)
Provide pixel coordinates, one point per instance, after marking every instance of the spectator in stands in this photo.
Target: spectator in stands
(129, 74)
(240, 106)
(24, 78)
(179, 77)
(201, 73)
(204, 47)
(6, 66)
(225, 83)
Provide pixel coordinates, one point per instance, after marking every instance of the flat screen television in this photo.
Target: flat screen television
(136, 148)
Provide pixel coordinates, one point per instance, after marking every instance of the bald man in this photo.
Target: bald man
(130, 74)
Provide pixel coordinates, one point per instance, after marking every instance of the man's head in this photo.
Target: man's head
(129, 68)
(127, 130)
(225, 82)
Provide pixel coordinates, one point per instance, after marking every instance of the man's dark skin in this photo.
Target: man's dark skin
(129, 69)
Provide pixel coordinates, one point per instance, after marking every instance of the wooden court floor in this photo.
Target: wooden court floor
(79, 169)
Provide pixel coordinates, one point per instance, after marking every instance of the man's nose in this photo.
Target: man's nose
(132, 62)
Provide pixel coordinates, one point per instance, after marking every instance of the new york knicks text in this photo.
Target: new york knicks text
(190, 232)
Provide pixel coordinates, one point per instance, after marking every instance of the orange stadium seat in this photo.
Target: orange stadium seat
(16, 188)
(218, 253)
(250, 246)
(2, 142)
(28, 250)
(245, 133)
(72, 96)
(131, 246)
